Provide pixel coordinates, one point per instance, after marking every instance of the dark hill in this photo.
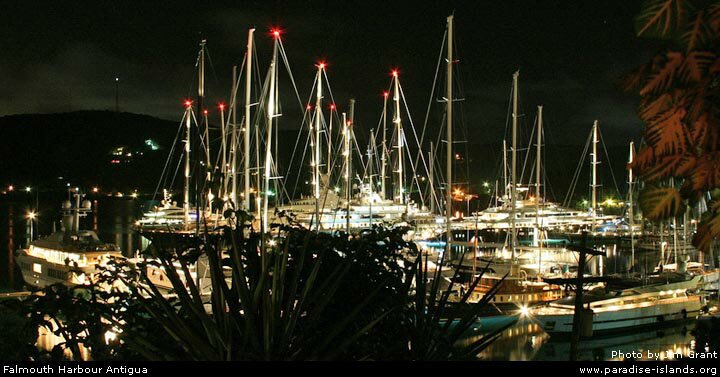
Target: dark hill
(37, 149)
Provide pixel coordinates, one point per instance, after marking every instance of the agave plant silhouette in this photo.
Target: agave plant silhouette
(301, 295)
(680, 105)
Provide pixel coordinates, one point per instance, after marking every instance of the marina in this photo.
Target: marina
(294, 204)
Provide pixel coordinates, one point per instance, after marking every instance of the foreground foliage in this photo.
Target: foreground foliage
(309, 296)
(680, 105)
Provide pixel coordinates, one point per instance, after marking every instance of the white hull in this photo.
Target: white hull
(643, 310)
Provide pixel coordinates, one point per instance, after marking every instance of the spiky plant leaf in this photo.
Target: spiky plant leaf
(695, 66)
(704, 135)
(664, 74)
(665, 166)
(709, 229)
(704, 175)
(667, 132)
(652, 107)
(661, 18)
(714, 17)
(698, 33)
(659, 203)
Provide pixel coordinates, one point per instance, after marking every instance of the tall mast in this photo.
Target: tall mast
(504, 163)
(223, 152)
(594, 167)
(233, 141)
(246, 129)
(431, 180)
(538, 181)
(449, 159)
(329, 145)
(316, 144)
(208, 173)
(200, 98)
(270, 119)
(398, 126)
(513, 183)
(383, 155)
(631, 215)
(348, 184)
(371, 148)
(186, 192)
(538, 158)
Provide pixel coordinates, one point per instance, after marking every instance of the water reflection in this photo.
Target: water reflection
(112, 218)
(527, 341)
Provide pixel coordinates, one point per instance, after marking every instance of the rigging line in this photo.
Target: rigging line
(170, 154)
(297, 142)
(412, 126)
(233, 97)
(415, 176)
(432, 92)
(287, 66)
(297, 176)
(527, 156)
(576, 175)
(612, 173)
(212, 68)
(177, 169)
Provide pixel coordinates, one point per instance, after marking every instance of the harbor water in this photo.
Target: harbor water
(113, 219)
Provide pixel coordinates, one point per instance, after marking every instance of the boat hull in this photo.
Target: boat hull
(605, 322)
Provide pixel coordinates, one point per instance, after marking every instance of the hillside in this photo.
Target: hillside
(38, 149)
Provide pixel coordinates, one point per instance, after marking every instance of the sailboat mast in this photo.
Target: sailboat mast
(208, 173)
(233, 142)
(186, 192)
(329, 145)
(594, 167)
(398, 126)
(246, 128)
(513, 183)
(268, 141)
(223, 152)
(504, 163)
(346, 131)
(200, 98)
(371, 148)
(431, 179)
(383, 155)
(538, 158)
(316, 144)
(449, 155)
(631, 215)
(538, 166)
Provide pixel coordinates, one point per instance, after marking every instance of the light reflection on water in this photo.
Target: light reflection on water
(527, 341)
(112, 218)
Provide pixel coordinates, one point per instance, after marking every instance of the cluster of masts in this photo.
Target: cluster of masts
(237, 179)
(231, 180)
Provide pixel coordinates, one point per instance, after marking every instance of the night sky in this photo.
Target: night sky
(64, 56)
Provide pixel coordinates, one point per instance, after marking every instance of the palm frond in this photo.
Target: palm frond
(659, 203)
(661, 18)
(664, 74)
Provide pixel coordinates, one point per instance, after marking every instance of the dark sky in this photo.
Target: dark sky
(61, 56)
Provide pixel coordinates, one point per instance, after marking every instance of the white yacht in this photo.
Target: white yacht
(70, 256)
(628, 308)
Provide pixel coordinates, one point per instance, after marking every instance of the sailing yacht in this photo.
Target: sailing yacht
(357, 209)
